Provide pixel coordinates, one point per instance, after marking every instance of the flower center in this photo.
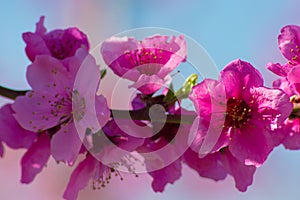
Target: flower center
(148, 60)
(238, 113)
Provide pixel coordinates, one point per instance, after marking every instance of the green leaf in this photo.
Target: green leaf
(185, 90)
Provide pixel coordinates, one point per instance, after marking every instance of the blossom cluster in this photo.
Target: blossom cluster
(236, 123)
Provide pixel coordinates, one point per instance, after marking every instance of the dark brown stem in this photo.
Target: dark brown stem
(142, 114)
(11, 94)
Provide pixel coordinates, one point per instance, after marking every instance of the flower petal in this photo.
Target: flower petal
(250, 144)
(173, 52)
(49, 74)
(238, 77)
(289, 42)
(35, 158)
(272, 104)
(35, 45)
(208, 166)
(294, 78)
(40, 113)
(113, 51)
(11, 132)
(292, 140)
(80, 177)
(66, 144)
(242, 174)
(149, 84)
(168, 174)
(280, 70)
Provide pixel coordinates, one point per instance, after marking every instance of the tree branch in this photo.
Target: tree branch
(11, 94)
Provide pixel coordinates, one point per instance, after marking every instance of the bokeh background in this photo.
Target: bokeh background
(226, 29)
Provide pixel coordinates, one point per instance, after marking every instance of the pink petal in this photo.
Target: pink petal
(280, 70)
(271, 103)
(64, 43)
(11, 132)
(284, 85)
(289, 42)
(35, 45)
(177, 46)
(208, 167)
(66, 144)
(48, 74)
(148, 84)
(166, 175)
(113, 51)
(238, 77)
(123, 136)
(208, 97)
(35, 158)
(102, 110)
(40, 28)
(250, 144)
(294, 78)
(39, 113)
(137, 103)
(80, 177)
(292, 140)
(86, 103)
(242, 174)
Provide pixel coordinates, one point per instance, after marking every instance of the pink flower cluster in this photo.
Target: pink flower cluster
(237, 120)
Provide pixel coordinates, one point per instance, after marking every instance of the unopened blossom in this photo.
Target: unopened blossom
(289, 45)
(148, 62)
(250, 112)
(59, 43)
(54, 105)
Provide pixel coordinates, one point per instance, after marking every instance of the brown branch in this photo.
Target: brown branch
(11, 94)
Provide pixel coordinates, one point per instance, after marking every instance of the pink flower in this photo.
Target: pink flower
(57, 43)
(92, 166)
(54, 105)
(290, 129)
(249, 112)
(289, 45)
(147, 62)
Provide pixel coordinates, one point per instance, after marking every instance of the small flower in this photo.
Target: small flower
(147, 62)
(290, 129)
(249, 112)
(53, 104)
(58, 43)
(289, 45)
(93, 168)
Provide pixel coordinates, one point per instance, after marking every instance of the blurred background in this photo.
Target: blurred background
(226, 29)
